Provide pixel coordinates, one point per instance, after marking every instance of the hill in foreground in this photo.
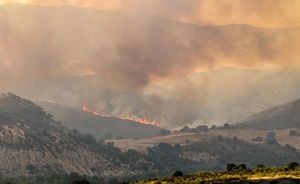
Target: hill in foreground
(260, 175)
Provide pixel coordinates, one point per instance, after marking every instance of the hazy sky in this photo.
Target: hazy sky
(133, 62)
(262, 13)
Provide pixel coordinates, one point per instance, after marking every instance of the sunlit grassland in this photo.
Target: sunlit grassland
(266, 174)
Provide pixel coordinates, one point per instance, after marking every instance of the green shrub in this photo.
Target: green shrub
(260, 167)
(178, 174)
(230, 167)
(241, 167)
(81, 182)
(292, 166)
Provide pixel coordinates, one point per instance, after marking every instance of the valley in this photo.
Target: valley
(30, 134)
(149, 92)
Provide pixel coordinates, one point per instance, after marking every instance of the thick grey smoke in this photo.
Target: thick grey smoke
(129, 63)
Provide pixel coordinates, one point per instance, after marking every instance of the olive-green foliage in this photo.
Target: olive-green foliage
(177, 174)
(275, 174)
(292, 166)
(168, 158)
(230, 167)
(239, 151)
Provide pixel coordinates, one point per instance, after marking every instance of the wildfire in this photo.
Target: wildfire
(86, 109)
(48, 101)
(145, 120)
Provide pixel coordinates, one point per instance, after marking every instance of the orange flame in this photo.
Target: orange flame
(86, 109)
(145, 120)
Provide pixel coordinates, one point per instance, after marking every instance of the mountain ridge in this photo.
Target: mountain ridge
(148, 14)
(279, 117)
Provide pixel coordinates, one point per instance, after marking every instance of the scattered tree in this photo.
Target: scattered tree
(271, 135)
(213, 127)
(185, 129)
(260, 167)
(178, 174)
(241, 167)
(291, 148)
(164, 132)
(202, 128)
(292, 166)
(271, 139)
(294, 133)
(80, 182)
(230, 167)
(258, 139)
(227, 126)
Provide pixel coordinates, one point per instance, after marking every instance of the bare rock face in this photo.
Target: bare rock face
(32, 143)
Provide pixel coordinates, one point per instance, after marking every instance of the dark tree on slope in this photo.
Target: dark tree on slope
(202, 128)
(271, 139)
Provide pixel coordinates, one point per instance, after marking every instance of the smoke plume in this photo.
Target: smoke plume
(132, 63)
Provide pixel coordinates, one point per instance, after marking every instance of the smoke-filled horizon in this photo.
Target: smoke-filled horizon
(137, 64)
(266, 13)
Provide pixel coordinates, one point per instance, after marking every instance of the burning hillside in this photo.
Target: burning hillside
(145, 120)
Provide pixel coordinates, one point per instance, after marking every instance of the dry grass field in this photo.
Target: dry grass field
(185, 138)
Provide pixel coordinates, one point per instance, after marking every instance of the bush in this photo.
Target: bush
(202, 128)
(271, 139)
(258, 139)
(292, 166)
(227, 126)
(293, 133)
(164, 132)
(241, 167)
(260, 166)
(230, 167)
(271, 135)
(178, 174)
(185, 129)
(81, 182)
(290, 148)
(233, 167)
(213, 127)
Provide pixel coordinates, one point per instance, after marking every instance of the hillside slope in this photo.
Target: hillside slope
(279, 117)
(98, 126)
(32, 143)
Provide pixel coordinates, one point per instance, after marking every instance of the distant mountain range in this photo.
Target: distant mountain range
(98, 126)
(278, 117)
